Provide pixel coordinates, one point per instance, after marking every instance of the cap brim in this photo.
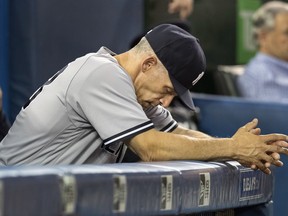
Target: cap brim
(186, 98)
(183, 93)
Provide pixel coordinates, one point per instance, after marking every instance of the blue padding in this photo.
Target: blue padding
(30, 191)
(4, 47)
(221, 116)
(158, 188)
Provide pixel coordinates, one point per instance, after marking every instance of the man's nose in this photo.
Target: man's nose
(165, 101)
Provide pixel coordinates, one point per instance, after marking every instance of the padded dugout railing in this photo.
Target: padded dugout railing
(158, 188)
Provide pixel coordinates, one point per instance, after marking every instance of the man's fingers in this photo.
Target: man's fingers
(263, 151)
(275, 156)
(274, 159)
(267, 159)
(278, 163)
(273, 138)
(250, 125)
(279, 143)
(277, 149)
(256, 131)
(263, 168)
(267, 164)
(257, 164)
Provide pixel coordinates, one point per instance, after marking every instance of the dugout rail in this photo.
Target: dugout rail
(156, 188)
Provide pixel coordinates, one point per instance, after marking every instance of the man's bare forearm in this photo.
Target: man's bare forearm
(246, 147)
(192, 133)
(159, 146)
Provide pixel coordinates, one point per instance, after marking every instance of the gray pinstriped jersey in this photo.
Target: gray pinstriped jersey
(81, 115)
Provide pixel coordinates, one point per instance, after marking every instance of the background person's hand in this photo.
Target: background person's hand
(258, 151)
(183, 7)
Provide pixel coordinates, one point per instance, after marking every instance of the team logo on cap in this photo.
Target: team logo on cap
(198, 78)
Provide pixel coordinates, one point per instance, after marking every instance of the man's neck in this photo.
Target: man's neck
(129, 63)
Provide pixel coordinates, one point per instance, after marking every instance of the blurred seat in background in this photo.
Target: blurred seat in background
(225, 78)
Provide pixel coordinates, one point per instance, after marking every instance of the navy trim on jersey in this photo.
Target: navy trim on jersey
(130, 132)
(170, 127)
(41, 88)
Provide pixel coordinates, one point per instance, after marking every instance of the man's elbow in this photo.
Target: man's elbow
(147, 154)
(146, 146)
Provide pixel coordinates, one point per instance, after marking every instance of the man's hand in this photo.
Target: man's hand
(258, 151)
(276, 156)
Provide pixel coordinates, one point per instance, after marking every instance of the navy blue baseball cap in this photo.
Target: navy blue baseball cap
(182, 56)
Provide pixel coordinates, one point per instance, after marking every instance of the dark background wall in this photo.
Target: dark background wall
(46, 35)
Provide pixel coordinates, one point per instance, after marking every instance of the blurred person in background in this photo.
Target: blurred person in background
(266, 75)
(4, 123)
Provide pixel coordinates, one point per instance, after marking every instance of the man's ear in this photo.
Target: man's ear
(148, 63)
(262, 40)
(262, 36)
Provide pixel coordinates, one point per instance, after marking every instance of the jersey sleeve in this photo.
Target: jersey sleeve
(103, 94)
(161, 118)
